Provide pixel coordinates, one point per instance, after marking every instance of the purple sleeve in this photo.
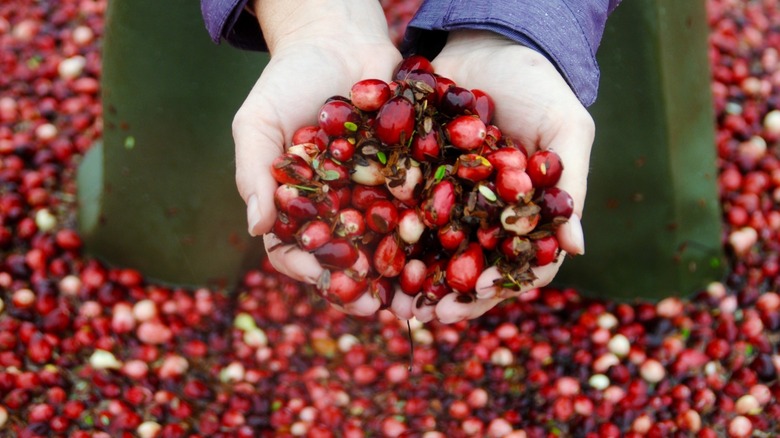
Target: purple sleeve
(567, 32)
(227, 19)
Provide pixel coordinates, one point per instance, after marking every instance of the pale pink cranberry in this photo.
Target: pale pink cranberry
(153, 332)
(135, 369)
(669, 307)
(477, 398)
(740, 427)
(652, 371)
(173, 366)
(499, 428)
(70, 285)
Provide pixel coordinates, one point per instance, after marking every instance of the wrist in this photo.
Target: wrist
(342, 22)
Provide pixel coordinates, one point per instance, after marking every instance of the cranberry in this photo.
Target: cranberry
(395, 121)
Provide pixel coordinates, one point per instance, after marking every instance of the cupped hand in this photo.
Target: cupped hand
(316, 53)
(536, 107)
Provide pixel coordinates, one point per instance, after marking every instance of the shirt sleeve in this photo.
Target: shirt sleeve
(228, 20)
(567, 32)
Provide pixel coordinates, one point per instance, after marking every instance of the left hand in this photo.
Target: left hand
(536, 107)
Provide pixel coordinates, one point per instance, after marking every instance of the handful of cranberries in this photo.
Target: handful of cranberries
(408, 186)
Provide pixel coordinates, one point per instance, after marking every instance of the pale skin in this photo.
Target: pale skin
(319, 48)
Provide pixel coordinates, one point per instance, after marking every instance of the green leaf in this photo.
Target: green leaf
(129, 142)
(330, 175)
(381, 157)
(276, 405)
(34, 62)
(352, 127)
(440, 172)
(308, 189)
(487, 193)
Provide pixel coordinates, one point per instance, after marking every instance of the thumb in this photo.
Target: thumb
(573, 144)
(256, 150)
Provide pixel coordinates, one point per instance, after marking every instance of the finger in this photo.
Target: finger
(572, 141)
(402, 305)
(486, 283)
(366, 305)
(292, 261)
(571, 237)
(423, 310)
(486, 287)
(450, 309)
(257, 144)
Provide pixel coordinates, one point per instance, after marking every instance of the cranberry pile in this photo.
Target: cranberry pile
(92, 351)
(410, 182)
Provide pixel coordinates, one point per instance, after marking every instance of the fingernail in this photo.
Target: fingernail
(252, 214)
(576, 234)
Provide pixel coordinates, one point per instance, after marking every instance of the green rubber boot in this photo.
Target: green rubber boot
(159, 194)
(652, 219)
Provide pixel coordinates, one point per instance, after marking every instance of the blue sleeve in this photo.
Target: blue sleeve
(567, 32)
(228, 20)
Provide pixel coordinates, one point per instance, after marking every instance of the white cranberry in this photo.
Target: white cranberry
(499, 428)
(145, 310)
(299, 428)
(255, 338)
(477, 398)
(607, 321)
(308, 414)
(619, 345)
(102, 360)
(234, 372)
(369, 175)
(148, 429)
(173, 366)
(502, 356)
(652, 371)
(599, 382)
(405, 192)
(82, 35)
(604, 362)
(70, 285)
(46, 132)
(44, 220)
(740, 427)
(772, 122)
(23, 298)
(747, 405)
(669, 307)
(70, 68)
(742, 240)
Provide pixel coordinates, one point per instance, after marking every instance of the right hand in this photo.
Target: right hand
(318, 50)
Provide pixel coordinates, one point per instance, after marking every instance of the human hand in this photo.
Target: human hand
(316, 52)
(536, 107)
